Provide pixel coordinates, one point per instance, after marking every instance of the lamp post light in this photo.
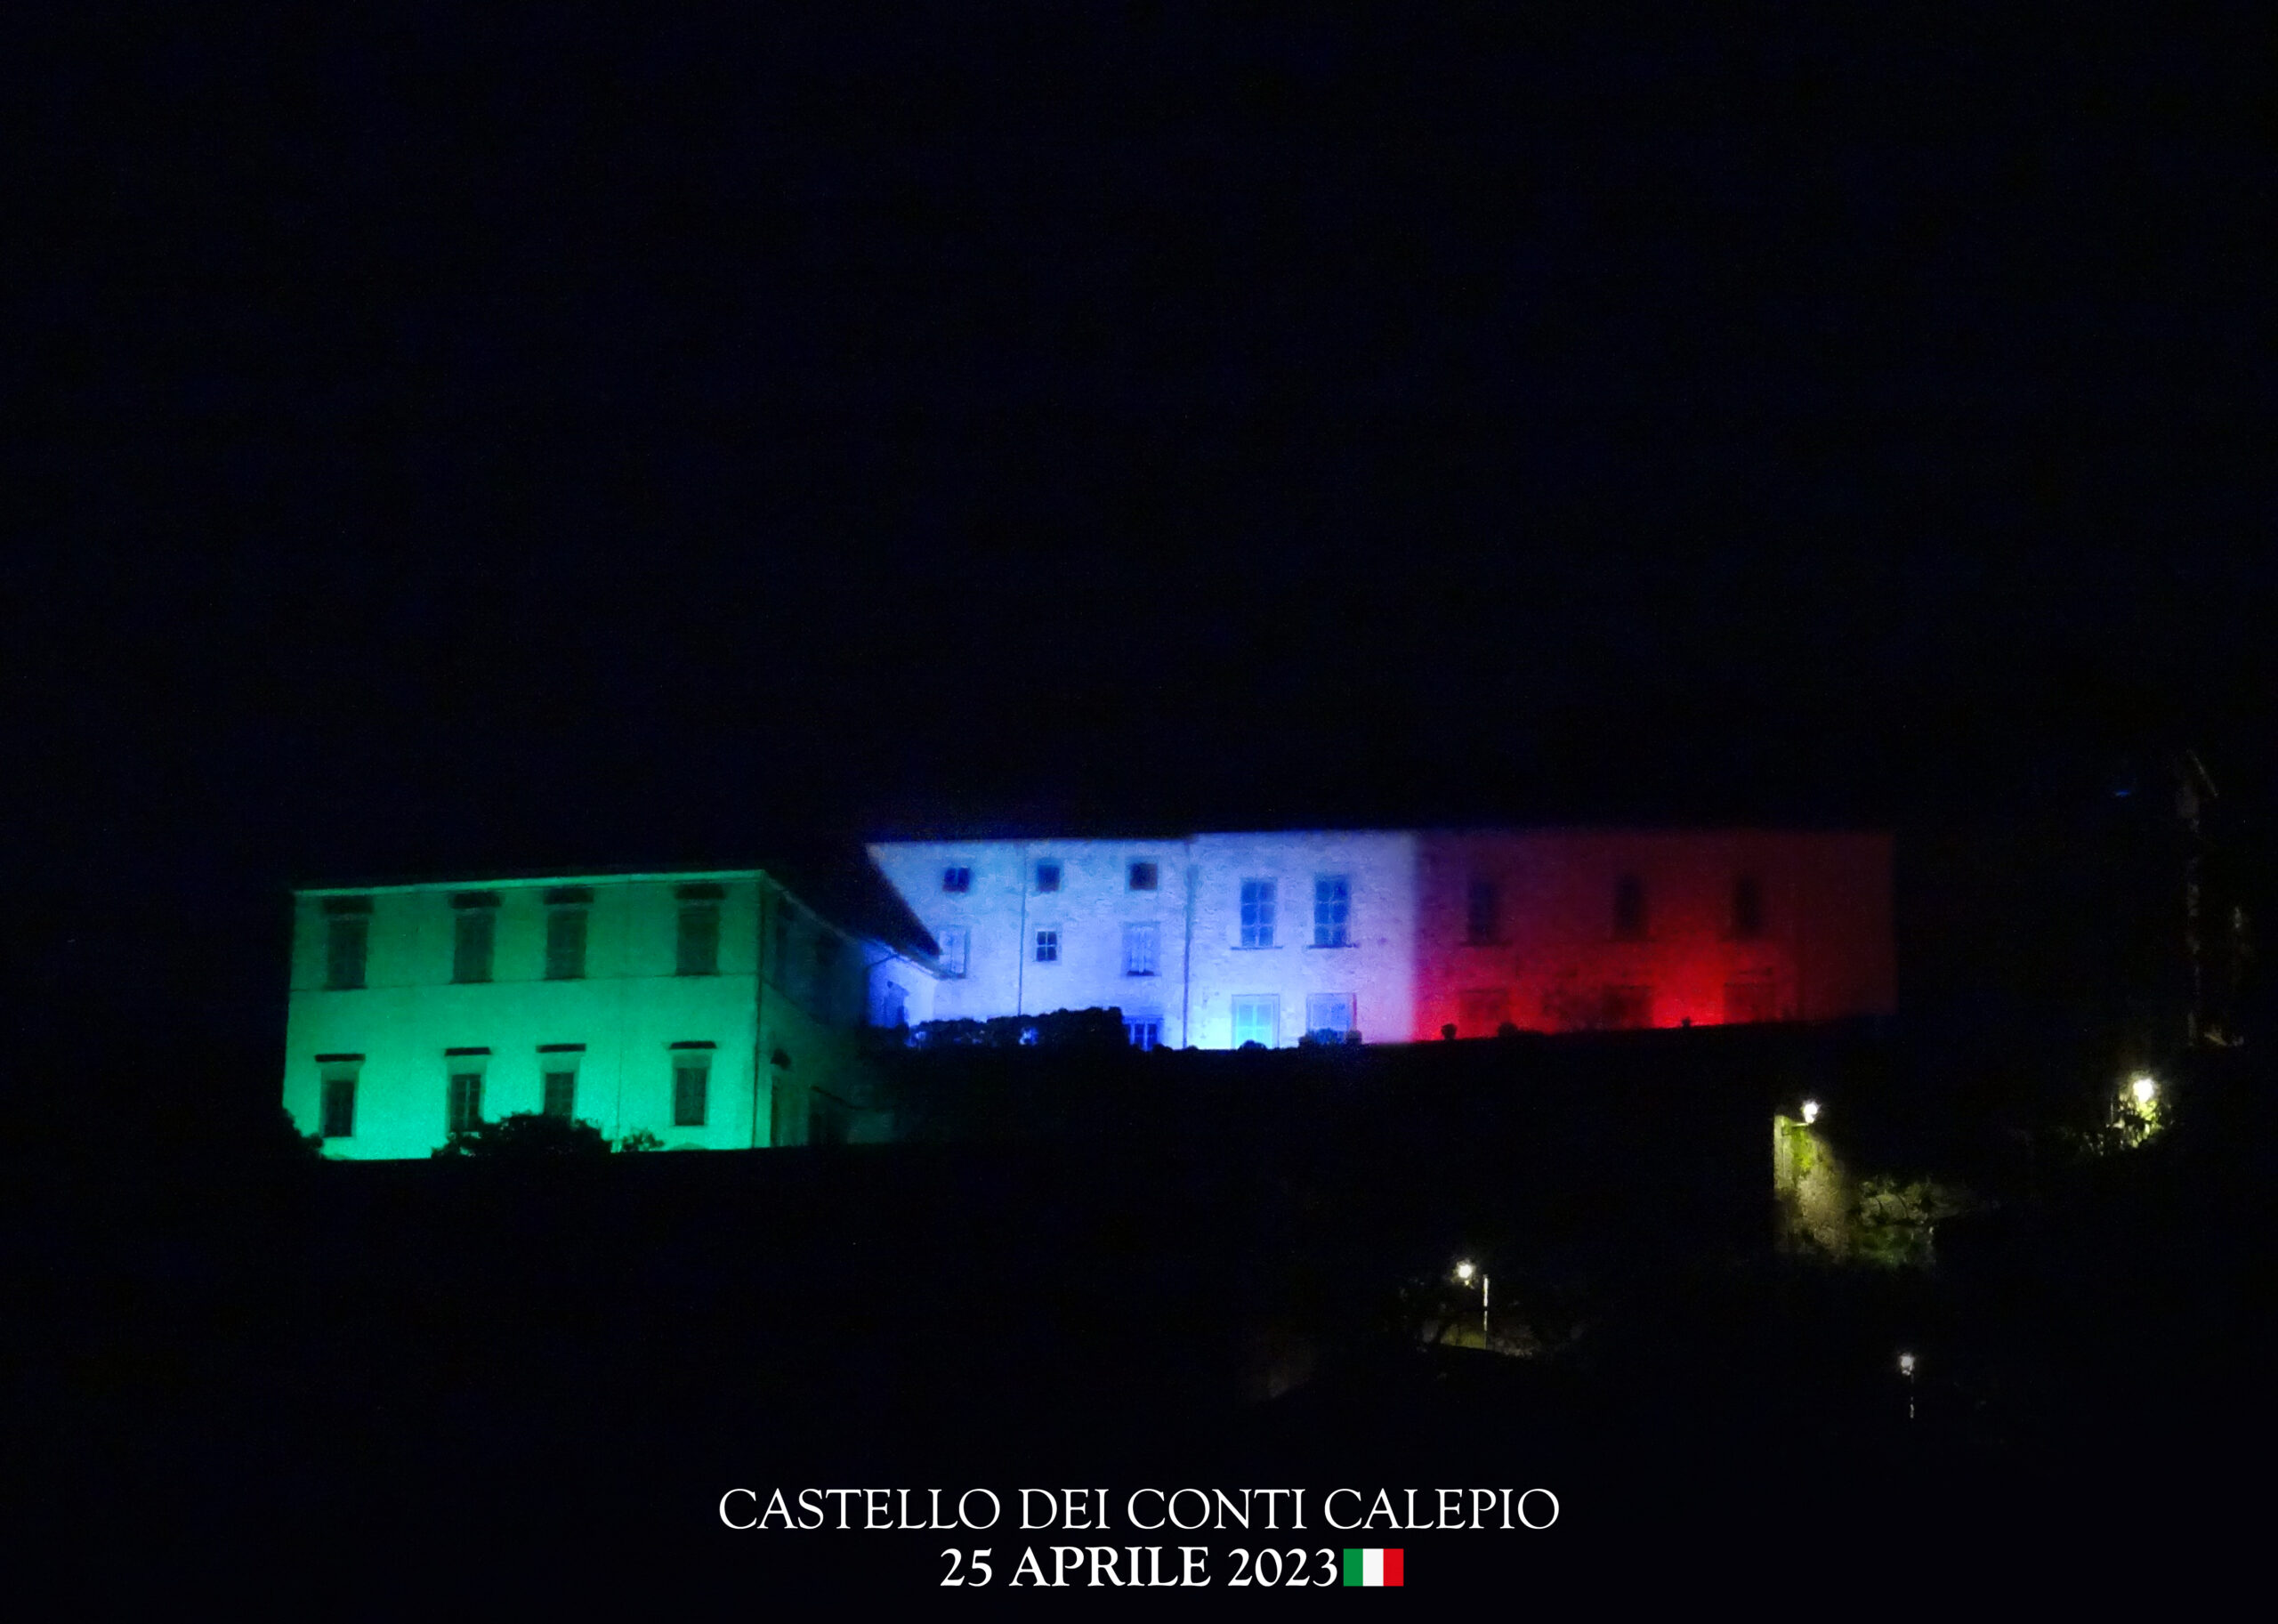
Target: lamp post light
(2144, 1087)
(1906, 1369)
(1811, 1113)
(1465, 1271)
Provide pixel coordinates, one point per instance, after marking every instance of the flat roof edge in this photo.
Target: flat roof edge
(680, 875)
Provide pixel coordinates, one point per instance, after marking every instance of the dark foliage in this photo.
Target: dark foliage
(527, 1136)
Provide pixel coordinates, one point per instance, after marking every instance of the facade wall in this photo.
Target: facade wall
(627, 1010)
(1374, 971)
(1812, 941)
(1004, 908)
(1560, 958)
(783, 1014)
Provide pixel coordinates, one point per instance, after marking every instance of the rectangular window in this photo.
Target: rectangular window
(1630, 909)
(1047, 946)
(1328, 1015)
(1482, 919)
(346, 938)
(1627, 1008)
(1482, 1012)
(1140, 942)
(565, 944)
(1756, 998)
(336, 1118)
(893, 1004)
(953, 952)
(1257, 1019)
(1332, 909)
(957, 879)
(1143, 1032)
(474, 932)
(1047, 876)
(699, 948)
(692, 1086)
(827, 1118)
(1141, 877)
(1747, 907)
(1257, 913)
(561, 1095)
(462, 1100)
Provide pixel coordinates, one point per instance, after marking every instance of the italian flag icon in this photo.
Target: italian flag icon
(1372, 1567)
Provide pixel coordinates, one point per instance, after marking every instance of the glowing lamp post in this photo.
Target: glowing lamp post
(1465, 1272)
(1906, 1369)
(1811, 1113)
(2144, 1089)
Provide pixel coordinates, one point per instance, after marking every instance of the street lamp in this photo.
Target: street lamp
(1465, 1271)
(2144, 1089)
(1906, 1369)
(1811, 1113)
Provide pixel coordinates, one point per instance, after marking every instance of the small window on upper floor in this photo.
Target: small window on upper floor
(1747, 907)
(1630, 909)
(1047, 946)
(1047, 876)
(347, 937)
(474, 935)
(697, 950)
(565, 943)
(567, 909)
(953, 951)
(1257, 913)
(957, 879)
(1141, 877)
(1140, 947)
(1332, 910)
(1482, 913)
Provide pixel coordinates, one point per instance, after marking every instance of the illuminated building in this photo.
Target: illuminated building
(712, 1010)
(1216, 940)
(720, 1010)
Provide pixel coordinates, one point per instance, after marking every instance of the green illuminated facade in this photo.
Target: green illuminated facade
(714, 1010)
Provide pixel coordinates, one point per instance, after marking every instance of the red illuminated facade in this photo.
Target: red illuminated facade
(1588, 930)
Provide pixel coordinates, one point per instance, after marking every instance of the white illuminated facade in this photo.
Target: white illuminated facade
(1211, 941)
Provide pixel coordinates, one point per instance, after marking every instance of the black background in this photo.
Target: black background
(462, 438)
(447, 440)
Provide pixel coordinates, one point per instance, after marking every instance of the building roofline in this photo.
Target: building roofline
(594, 877)
(923, 952)
(1627, 827)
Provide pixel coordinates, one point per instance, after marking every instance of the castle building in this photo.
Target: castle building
(1220, 940)
(723, 1010)
(710, 1010)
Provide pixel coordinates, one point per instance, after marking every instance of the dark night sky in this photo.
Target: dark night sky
(502, 440)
